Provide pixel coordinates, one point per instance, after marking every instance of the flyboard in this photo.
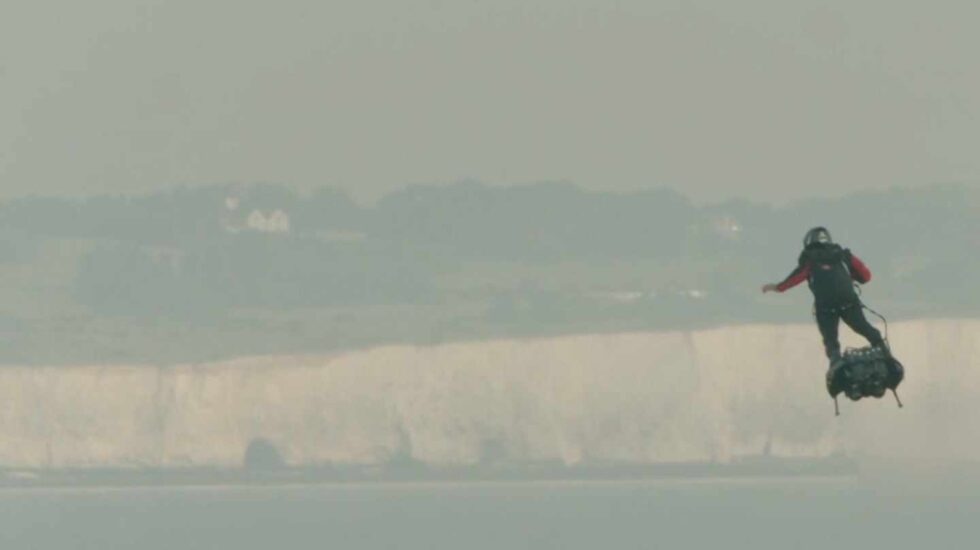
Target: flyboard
(866, 372)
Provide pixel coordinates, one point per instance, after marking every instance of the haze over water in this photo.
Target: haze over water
(751, 514)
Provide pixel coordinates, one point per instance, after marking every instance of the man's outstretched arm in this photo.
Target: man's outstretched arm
(800, 274)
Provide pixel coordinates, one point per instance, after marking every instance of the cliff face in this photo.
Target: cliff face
(634, 398)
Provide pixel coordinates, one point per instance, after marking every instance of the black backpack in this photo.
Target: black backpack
(830, 280)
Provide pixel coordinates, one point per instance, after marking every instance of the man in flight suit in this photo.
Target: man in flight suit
(831, 272)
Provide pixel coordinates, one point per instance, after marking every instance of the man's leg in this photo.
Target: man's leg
(854, 317)
(827, 322)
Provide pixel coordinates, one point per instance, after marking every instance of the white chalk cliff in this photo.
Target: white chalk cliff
(627, 398)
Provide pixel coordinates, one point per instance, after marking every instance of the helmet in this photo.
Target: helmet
(817, 235)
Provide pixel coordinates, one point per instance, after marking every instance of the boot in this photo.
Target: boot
(835, 361)
(833, 378)
(896, 371)
(884, 347)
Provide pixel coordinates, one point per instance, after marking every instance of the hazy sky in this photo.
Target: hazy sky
(757, 98)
